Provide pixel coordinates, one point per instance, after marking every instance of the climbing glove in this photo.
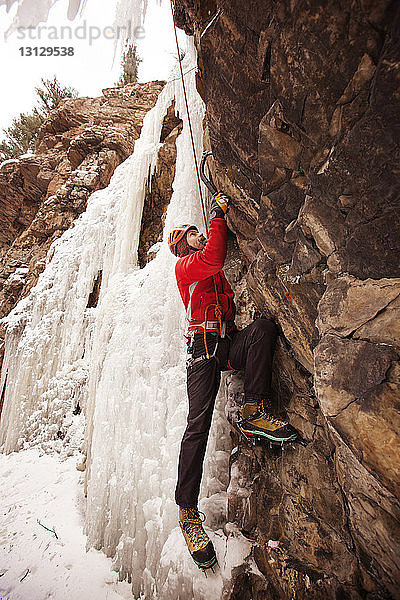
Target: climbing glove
(219, 206)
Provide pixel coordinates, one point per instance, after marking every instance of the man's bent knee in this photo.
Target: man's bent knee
(265, 327)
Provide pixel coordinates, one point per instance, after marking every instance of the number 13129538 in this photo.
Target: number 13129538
(47, 51)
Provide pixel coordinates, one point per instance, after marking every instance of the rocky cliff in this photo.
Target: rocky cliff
(302, 108)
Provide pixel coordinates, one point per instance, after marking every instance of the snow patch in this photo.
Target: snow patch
(155, 248)
(42, 547)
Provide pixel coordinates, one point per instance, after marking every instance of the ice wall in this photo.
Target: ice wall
(124, 361)
(139, 375)
(49, 334)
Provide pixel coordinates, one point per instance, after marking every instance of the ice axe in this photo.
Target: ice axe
(208, 182)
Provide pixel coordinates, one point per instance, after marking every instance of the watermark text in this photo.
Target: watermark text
(81, 32)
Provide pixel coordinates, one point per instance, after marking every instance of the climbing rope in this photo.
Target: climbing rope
(218, 308)
(189, 121)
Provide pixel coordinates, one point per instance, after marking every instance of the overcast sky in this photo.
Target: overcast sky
(91, 68)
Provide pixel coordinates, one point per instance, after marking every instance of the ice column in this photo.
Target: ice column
(138, 393)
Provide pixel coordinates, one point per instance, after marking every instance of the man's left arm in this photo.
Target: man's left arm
(210, 260)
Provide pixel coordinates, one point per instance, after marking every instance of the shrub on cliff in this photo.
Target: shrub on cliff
(51, 93)
(21, 136)
(130, 64)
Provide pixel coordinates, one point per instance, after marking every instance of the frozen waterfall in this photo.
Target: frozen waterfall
(124, 362)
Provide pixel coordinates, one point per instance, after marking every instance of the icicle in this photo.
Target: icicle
(29, 14)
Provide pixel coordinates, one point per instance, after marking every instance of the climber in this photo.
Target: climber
(215, 345)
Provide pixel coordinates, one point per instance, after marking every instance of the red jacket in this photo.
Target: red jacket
(194, 276)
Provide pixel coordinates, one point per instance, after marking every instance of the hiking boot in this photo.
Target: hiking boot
(263, 424)
(199, 544)
(250, 407)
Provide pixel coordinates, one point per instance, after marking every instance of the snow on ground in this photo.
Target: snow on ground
(40, 490)
(42, 545)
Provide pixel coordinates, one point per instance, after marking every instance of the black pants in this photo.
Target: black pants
(250, 349)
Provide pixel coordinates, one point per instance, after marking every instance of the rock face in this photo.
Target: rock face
(159, 190)
(79, 146)
(302, 107)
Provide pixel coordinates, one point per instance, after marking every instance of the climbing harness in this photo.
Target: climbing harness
(192, 361)
(212, 326)
(209, 326)
(217, 309)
